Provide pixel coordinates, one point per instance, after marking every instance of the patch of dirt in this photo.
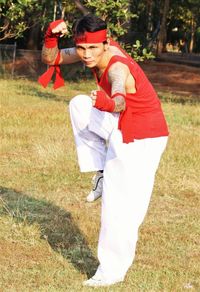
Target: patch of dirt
(169, 77)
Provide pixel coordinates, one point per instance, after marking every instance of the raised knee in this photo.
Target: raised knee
(80, 102)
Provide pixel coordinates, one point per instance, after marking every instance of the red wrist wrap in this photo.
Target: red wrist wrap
(46, 77)
(104, 103)
(117, 94)
(51, 39)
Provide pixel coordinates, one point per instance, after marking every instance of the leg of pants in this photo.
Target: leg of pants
(128, 182)
(129, 171)
(92, 129)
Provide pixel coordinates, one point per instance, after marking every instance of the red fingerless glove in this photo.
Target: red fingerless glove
(104, 103)
(51, 39)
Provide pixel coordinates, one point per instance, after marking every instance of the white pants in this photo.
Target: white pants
(129, 171)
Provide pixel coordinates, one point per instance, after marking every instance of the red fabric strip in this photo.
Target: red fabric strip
(59, 81)
(91, 37)
(45, 78)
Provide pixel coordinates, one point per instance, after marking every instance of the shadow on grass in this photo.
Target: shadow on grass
(57, 227)
(164, 95)
(46, 95)
(35, 91)
(191, 100)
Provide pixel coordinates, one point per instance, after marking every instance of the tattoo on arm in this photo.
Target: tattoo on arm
(120, 104)
(117, 77)
(69, 56)
(67, 52)
(49, 55)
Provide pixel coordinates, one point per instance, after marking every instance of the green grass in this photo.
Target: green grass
(49, 234)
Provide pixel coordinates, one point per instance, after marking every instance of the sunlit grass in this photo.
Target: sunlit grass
(48, 234)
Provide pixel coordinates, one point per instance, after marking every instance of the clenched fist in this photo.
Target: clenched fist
(55, 30)
(60, 28)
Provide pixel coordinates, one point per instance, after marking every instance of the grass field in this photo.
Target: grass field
(49, 234)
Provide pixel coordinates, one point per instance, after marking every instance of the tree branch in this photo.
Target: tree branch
(81, 7)
(5, 26)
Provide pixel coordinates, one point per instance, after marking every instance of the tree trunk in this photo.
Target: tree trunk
(149, 18)
(162, 36)
(192, 35)
(81, 7)
(34, 37)
(54, 10)
(63, 13)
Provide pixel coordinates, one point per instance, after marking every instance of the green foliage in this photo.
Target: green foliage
(138, 53)
(17, 16)
(141, 17)
(184, 15)
(116, 13)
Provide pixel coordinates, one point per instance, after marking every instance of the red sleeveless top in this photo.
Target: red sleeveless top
(143, 116)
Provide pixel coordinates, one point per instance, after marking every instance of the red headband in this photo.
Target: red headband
(99, 36)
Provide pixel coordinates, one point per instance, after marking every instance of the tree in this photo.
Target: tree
(162, 36)
(193, 20)
(17, 17)
(184, 19)
(144, 20)
(116, 13)
(81, 7)
(149, 17)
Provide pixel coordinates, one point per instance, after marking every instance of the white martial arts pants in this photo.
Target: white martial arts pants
(129, 171)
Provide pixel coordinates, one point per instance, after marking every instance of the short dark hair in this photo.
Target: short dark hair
(89, 23)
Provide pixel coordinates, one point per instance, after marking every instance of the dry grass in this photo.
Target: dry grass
(48, 234)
